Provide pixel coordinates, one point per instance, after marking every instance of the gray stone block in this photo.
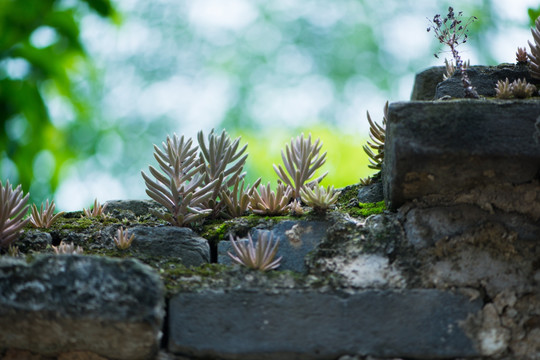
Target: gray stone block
(425, 83)
(296, 240)
(448, 148)
(483, 78)
(61, 303)
(313, 325)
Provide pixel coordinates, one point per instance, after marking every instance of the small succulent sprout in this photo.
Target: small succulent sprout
(521, 89)
(97, 211)
(295, 208)
(503, 89)
(13, 251)
(301, 160)
(258, 257)
(534, 56)
(521, 56)
(368, 180)
(319, 198)
(122, 239)
(64, 248)
(13, 208)
(377, 133)
(44, 218)
(237, 200)
(450, 69)
(264, 201)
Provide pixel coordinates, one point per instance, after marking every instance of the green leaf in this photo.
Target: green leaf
(533, 15)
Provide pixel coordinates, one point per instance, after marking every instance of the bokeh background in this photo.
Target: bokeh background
(88, 86)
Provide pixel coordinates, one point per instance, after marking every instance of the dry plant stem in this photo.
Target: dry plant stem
(534, 56)
(13, 208)
(301, 160)
(44, 218)
(259, 257)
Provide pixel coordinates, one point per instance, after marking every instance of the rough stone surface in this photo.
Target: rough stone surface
(59, 304)
(314, 325)
(296, 240)
(483, 78)
(137, 207)
(371, 193)
(183, 244)
(461, 147)
(426, 83)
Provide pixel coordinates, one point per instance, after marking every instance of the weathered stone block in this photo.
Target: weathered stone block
(426, 83)
(459, 147)
(62, 303)
(313, 325)
(296, 240)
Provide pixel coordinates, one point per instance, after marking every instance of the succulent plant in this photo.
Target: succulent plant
(258, 257)
(521, 89)
(521, 56)
(44, 218)
(449, 68)
(264, 201)
(368, 180)
(122, 239)
(236, 201)
(13, 208)
(503, 89)
(320, 199)
(377, 133)
(223, 162)
(64, 248)
(295, 208)
(301, 160)
(534, 56)
(180, 187)
(97, 210)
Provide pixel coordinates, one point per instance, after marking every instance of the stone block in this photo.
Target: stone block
(453, 147)
(425, 83)
(316, 325)
(61, 303)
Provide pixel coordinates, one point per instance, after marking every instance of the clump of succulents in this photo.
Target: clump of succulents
(13, 208)
(521, 56)
(258, 257)
(223, 162)
(236, 201)
(264, 201)
(64, 248)
(319, 198)
(122, 239)
(451, 31)
(375, 148)
(521, 89)
(180, 187)
(44, 217)
(97, 211)
(295, 208)
(503, 89)
(534, 56)
(301, 159)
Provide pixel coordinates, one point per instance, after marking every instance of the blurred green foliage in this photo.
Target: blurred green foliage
(534, 13)
(40, 51)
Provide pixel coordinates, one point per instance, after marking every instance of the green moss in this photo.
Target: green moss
(367, 209)
(348, 194)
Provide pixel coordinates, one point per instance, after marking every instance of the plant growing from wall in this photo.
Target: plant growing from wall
(236, 201)
(452, 32)
(179, 187)
(521, 89)
(122, 239)
(521, 56)
(534, 56)
(375, 148)
(44, 217)
(97, 211)
(223, 162)
(319, 198)
(264, 201)
(503, 89)
(13, 208)
(301, 159)
(257, 257)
